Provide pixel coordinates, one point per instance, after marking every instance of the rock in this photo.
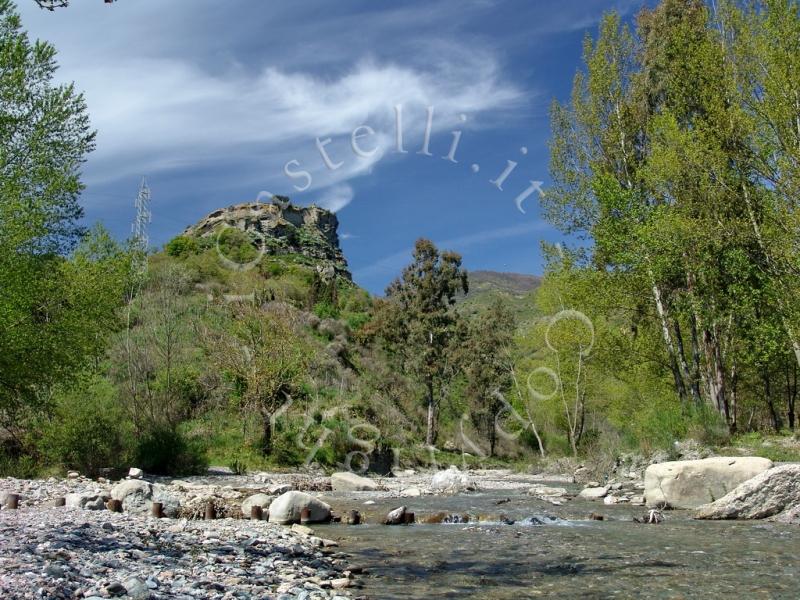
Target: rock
(73, 475)
(350, 482)
(340, 583)
(278, 489)
(134, 494)
(638, 501)
(116, 589)
(285, 509)
(170, 504)
(396, 516)
(766, 495)
(302, 529)
(611, 499)
(262, 500)
(412, 492)
(136, 588)
(594, 493)
(86, 500)
(135, 473)
(554, 495)
(691, 483)
(452, 481)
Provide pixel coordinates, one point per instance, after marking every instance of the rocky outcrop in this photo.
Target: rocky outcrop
(287, 509)
(691, 483)
(350, 482)
(283, 229)
(771, 493)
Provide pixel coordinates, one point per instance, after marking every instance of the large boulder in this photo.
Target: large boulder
(350, 482)
(691, 483)
(768, 494)
(452, 481)
(286, 508)
(136, 495)
(262, 500)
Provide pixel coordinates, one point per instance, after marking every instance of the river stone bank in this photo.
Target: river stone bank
(73, 553)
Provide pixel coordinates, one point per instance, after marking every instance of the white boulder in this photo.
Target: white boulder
(691, 483)
(262, 500)
(350, 482)
(773, 492)
(452, 481)
(286, 508)
(594, 493)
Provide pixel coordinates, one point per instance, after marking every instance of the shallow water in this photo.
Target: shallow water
(575, 558)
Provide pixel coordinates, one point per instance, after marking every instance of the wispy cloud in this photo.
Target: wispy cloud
(336, 197)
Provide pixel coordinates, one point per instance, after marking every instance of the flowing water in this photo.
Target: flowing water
(570, 557)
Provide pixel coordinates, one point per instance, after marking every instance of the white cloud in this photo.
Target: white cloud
(336, 197)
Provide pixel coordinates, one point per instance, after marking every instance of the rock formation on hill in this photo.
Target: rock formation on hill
(282, 228)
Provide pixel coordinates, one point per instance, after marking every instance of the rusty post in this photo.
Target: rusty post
(211, 512)
(114, 505)
(12, 501)
(157, 510)
(305, 515)
(60, 501)
(256, 513)
(408, 518)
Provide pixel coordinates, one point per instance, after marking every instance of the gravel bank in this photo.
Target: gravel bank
(48, 552)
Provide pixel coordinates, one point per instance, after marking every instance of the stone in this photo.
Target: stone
(86, 500)
(594, 493)
(135, 473)
(350, 482)
(278, 489)
(302, 529)
(691, 483)
(73, 475)
(452, 481)
(262, 500)
(768, 494)
(611, 499)
(286, 508)
(136, 588)
(553, 495)
(412, 492)
(134, 494)
(395, 516)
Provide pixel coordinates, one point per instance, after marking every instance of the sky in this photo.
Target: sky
(219, 102)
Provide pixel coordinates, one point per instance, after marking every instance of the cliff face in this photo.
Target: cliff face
(286, 229)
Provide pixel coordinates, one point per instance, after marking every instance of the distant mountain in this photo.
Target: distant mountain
(515, 284)
(516, 289)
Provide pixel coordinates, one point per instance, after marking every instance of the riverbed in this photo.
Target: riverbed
(569, 557)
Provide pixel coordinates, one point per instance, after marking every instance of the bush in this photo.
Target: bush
(87, 431)
(167, 451)
(182, 246)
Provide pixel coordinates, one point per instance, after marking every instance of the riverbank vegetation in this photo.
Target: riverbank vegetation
(672, 314)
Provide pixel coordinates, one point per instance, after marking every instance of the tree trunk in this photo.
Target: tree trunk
(266, 436)
(791, 394)
(776, 420)
(662, 317)
(430, 437)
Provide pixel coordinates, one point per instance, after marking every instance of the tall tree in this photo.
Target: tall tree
(487, 364)
(419, 319)
(52, 310)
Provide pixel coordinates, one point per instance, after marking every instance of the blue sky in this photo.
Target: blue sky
(210, 99)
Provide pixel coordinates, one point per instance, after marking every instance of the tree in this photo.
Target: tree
(53, 311)
(485, 356)
(265, 359)
(418, 320)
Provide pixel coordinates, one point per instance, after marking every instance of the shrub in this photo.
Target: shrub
(166, 451)
(87, 431)
(182, 246)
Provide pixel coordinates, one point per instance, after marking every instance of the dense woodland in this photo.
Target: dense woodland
(672, 313)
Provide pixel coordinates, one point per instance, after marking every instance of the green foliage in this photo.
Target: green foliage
(182, 246)
(86, 430)
(166, 451)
